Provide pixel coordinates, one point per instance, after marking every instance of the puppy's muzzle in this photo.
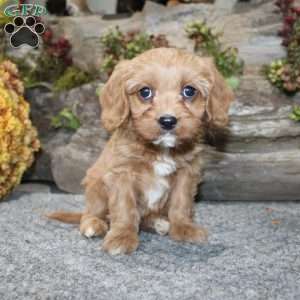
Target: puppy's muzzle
(167, 122)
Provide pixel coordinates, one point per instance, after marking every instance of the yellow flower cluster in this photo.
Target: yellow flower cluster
(18, 138)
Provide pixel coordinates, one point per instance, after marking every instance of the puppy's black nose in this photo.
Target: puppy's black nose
(167, 122)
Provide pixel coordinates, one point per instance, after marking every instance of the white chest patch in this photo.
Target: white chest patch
(163, 166)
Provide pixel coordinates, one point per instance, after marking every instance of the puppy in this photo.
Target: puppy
(156, 106)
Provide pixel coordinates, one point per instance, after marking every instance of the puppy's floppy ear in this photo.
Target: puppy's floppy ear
(113, 98)
(219, 98)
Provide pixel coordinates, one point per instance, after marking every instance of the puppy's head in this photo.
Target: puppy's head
(166, 95)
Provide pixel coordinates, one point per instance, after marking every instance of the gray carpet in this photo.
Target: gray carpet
(252, 253)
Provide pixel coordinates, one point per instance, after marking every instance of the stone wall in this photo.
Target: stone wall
(261, 160)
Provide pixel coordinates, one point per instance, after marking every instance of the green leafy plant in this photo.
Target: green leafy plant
(72, 77)
(295, 115)
(208, 43)
(118, 46)
(65, 119)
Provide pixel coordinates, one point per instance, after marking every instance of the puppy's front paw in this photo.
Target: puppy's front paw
(93, 226)
(118, 241)
(188, 232)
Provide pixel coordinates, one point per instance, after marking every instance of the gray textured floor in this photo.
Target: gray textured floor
(252, 253)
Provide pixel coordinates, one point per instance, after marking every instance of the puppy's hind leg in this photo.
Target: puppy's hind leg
(93, 221)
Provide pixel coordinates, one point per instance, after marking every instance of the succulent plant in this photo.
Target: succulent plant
(54, 65)
(274, 72)
(118, 46)
(18, 138)
(285, 73)
(289, 13)
(208, 43)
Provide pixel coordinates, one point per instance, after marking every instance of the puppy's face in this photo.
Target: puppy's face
(167, 94)
(167, 98)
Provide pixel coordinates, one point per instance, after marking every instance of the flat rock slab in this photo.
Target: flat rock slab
(252, 253)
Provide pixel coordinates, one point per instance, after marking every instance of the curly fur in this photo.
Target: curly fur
(143, 178)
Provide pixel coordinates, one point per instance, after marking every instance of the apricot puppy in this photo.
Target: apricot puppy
(156, 107)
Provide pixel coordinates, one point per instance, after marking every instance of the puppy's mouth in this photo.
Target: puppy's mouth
(166, 140)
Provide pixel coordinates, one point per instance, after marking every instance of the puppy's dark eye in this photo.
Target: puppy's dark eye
(145, 93)
(188, 92)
